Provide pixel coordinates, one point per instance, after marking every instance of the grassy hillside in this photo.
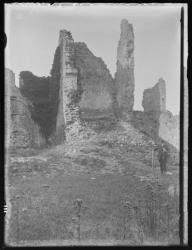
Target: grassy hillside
(99, 190)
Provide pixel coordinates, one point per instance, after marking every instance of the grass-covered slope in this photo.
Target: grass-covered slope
(124, 200)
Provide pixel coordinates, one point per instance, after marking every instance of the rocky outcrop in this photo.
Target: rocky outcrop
(124, 78)
(20, 130)
(95, 83)
(154, 99)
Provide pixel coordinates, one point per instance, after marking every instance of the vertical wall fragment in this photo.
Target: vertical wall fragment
(68, 119)
(154, 104)
(36, 90)
(20, 130)
(124, 78)
(154, 99)
(95, 84)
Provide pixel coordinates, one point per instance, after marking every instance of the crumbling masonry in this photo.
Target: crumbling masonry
(124, 78)
(81, 89)
(68, 110)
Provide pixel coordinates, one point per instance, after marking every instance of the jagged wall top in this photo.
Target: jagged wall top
(65, 35)
(127, 29)
(154, 99)
(124, 77)
(126, 45)
(68, 110)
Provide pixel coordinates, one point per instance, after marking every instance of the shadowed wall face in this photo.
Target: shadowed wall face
(36, 90)
(94, 80)
(169, 128)
(43, 92)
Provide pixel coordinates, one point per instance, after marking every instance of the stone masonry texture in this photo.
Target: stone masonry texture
(20, 130)
(124, 78)
(154, 104)
(154, 99)
(79, 91)
(68, 110)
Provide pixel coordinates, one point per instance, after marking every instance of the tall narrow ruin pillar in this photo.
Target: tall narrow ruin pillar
(124, 78)
(68, 120)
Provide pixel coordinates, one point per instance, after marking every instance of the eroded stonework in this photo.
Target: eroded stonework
(154, 103)
(80, 93)
(124, 78)
(86, 86)
(68, 110)
(169, 128)
(94, 80)
(20, 130)
(154, 99)
(36, 90)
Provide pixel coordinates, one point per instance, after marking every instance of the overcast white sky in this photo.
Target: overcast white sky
(33, 32)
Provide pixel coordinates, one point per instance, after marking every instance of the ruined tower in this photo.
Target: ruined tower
(68, 120)
(154, 104)
(124, 78)
(154, 99)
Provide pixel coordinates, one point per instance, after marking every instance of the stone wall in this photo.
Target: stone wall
(148, 124)
(68, 109)
(54, 89)
(36, 90)
(95, 82)
(43, 92)
(124, 77)
(20, 130)
(154, 99)
(81, 89)
(154, 104)
(169, 128)
(79, 86)
(86, 86)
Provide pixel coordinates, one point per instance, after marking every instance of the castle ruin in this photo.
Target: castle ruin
(81, 87)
